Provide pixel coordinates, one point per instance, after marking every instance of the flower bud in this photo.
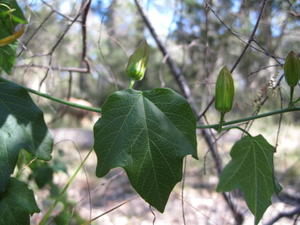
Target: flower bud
(224, 91)
(292, 69)
(137, 63)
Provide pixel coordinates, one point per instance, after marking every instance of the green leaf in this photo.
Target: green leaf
(17, 203)
(42, 175)
(8, 23)
(148, 134)
(251, 170)
(64, 217)
(8, 57)
(11, 18)
(21, 127)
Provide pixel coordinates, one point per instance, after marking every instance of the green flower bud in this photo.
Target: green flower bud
(292, 69)
(137, 63)
(224, 91)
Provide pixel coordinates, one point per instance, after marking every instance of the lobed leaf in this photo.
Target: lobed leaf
(148, 134)
(17, 203)
(251, 169)
(22, 126)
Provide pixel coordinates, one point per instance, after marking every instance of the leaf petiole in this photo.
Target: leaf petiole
(131, 84)
(239, 128)
(291, 103)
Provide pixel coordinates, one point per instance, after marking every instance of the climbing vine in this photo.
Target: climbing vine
(147, 133)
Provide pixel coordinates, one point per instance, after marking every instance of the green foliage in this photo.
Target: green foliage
(147, 133)
(251, 170)
(7, 57)
(68, 215)
(42, 175)
(21, 127)
(10, 16)
(17, 203)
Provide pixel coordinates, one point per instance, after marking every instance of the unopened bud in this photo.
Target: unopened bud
(224, 91)
(137, 63)
(292, 69)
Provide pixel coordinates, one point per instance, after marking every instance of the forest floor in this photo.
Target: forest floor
(202, 205)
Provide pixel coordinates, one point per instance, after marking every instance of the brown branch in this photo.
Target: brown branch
(251, 38)
(55, 68)
(57, 12)
(182, 83)
(235, 34)
(86, 10)
(60, 39)
(248, 44)
(35, 32)
(289, 214)
(294, 14)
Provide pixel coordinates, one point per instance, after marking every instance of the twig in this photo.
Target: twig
(35, 32)
(60, 39)
(86, 6)
(56, 11)
(69, 182)
(182, 191)
(153, 213)
(182, 83)
(235, 34)
(250, 40)
(280, 120)
(289, 214)
(55, 68)
(110, 210)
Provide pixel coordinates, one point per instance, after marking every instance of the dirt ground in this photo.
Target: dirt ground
(201, 203)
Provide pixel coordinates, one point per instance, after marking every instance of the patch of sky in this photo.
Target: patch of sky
(236, 6)
(253, 17)
(276, 22)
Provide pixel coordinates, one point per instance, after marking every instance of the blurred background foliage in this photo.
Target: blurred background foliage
(200, 36)
(197, 40)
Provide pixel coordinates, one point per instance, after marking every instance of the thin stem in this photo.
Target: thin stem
(239, 128)
(50, 210)
(108, 211)
(221, 122)
(131, 84)
(59, 100)
(297, 100)
(280, 111)
(291, 103)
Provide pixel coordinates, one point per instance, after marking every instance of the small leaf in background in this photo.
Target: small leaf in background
(148, 133)
(7, 57)
(42, 175)
(22, 126)
(251, 169)
(17, 203)
(11, 16)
